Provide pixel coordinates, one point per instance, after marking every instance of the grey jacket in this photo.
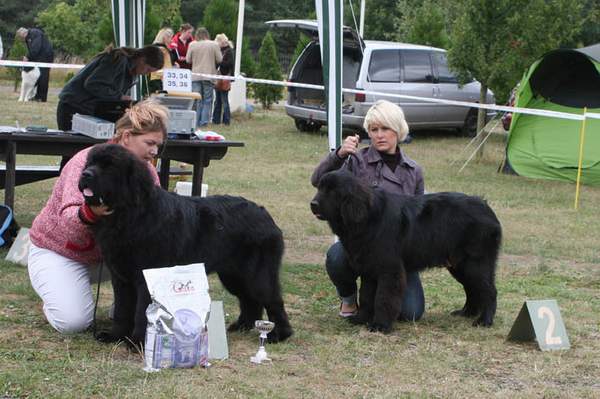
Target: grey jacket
(368, 165)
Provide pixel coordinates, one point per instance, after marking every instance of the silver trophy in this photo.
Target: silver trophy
(264, 327)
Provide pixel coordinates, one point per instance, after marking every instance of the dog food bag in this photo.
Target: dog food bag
(176, 335)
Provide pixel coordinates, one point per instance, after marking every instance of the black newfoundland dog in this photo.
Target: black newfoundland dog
(386, 235)
(151, 228)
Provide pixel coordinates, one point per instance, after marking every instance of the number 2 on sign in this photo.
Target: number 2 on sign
(544, 311)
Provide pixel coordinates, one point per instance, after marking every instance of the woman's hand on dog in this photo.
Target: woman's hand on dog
(349, 146)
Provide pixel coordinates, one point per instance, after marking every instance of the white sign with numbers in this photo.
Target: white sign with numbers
(541, 320)
(175, 79)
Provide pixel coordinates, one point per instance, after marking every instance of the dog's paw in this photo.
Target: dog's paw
(483, 322)
(279, 335)
(241, 325)
(380, 327)
(464, 312)
(357, 320)
(107, 337)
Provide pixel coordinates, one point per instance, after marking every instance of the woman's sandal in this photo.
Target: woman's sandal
(348, 314)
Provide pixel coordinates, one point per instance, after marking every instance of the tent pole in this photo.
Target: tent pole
(581, 139)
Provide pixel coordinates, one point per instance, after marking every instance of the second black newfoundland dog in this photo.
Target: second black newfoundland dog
(151, 228)
(386, 235)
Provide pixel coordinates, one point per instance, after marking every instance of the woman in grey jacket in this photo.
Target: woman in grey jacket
(108, 77)
(383, 165)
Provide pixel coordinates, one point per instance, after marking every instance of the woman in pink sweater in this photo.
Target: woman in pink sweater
(63, 254)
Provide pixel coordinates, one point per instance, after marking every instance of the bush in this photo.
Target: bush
(268, 68)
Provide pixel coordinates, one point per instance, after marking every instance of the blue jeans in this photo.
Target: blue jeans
(221, 101)
(344, 280)
(204, 106)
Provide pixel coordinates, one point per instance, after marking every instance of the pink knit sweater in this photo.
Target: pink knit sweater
(58, 227)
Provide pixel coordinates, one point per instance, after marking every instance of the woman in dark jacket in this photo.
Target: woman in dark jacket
(108, 77)
(225, 68)
(382, 164)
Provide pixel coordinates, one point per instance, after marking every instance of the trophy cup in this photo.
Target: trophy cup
(264, 327)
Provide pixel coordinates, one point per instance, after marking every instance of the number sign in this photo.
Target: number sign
(540, 320)
(177, 79)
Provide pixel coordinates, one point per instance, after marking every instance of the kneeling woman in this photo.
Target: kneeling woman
(383, 165)
(63, 254)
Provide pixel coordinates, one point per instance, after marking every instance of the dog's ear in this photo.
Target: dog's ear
(355, 206)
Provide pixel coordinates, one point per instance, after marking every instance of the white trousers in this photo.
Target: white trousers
(64, 287)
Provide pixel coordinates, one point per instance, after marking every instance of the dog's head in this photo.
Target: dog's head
(115, 177)
(342, 199)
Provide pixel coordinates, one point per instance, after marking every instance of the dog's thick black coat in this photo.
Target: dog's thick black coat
(151, 228)
(387, 235)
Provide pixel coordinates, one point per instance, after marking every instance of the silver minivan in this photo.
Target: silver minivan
(388, 67)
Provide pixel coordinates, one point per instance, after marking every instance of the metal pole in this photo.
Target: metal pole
(238, 39)
(361, 29)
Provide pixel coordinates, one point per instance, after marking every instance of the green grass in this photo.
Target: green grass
(550, 251)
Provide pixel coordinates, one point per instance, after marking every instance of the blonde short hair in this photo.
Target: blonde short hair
(22, 32)
(387, 114)
(147, 116)
(222, 40)
(162, 34)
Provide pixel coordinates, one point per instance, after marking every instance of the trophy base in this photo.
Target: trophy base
(261, 356)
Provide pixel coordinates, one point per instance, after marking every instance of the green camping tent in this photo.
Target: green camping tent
(546, 147)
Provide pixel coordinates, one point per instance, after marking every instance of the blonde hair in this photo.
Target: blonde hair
(387, 114)
(22, 32)
(222, 40)
(147, 116)
(162, 35)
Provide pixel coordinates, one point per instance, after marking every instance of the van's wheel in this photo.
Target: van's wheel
(300, 125)
(313, 126)
(307, 126)
(469, 128)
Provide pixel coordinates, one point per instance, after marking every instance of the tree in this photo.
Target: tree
(268, 68)
(422, 23)
(494, 41)
(248, 66)
(74, 29)
(300, 46)
(17, 52)
(220, 16)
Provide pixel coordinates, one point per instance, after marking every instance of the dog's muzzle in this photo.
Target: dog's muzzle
(314, 207)
(86, 187)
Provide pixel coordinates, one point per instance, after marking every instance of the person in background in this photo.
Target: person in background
(162, 40)
(225, 68)
(107, 77)
(63, 254)
(1, 48)
(39, 49)
(204, 55)
(181, 42)
(382, 164)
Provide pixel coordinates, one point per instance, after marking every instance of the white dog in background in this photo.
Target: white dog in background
(28, 84)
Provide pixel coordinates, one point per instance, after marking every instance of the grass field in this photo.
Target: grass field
(550, 251)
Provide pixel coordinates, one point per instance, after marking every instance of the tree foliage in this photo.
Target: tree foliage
(423, 23)
(494, 41)
(17, 52)
(248, 66)
(74, 29)
(220, 16)
(268, 68)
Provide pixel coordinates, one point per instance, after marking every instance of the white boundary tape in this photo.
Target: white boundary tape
(503, 108)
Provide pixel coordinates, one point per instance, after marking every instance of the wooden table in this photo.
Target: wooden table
(16, 141)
